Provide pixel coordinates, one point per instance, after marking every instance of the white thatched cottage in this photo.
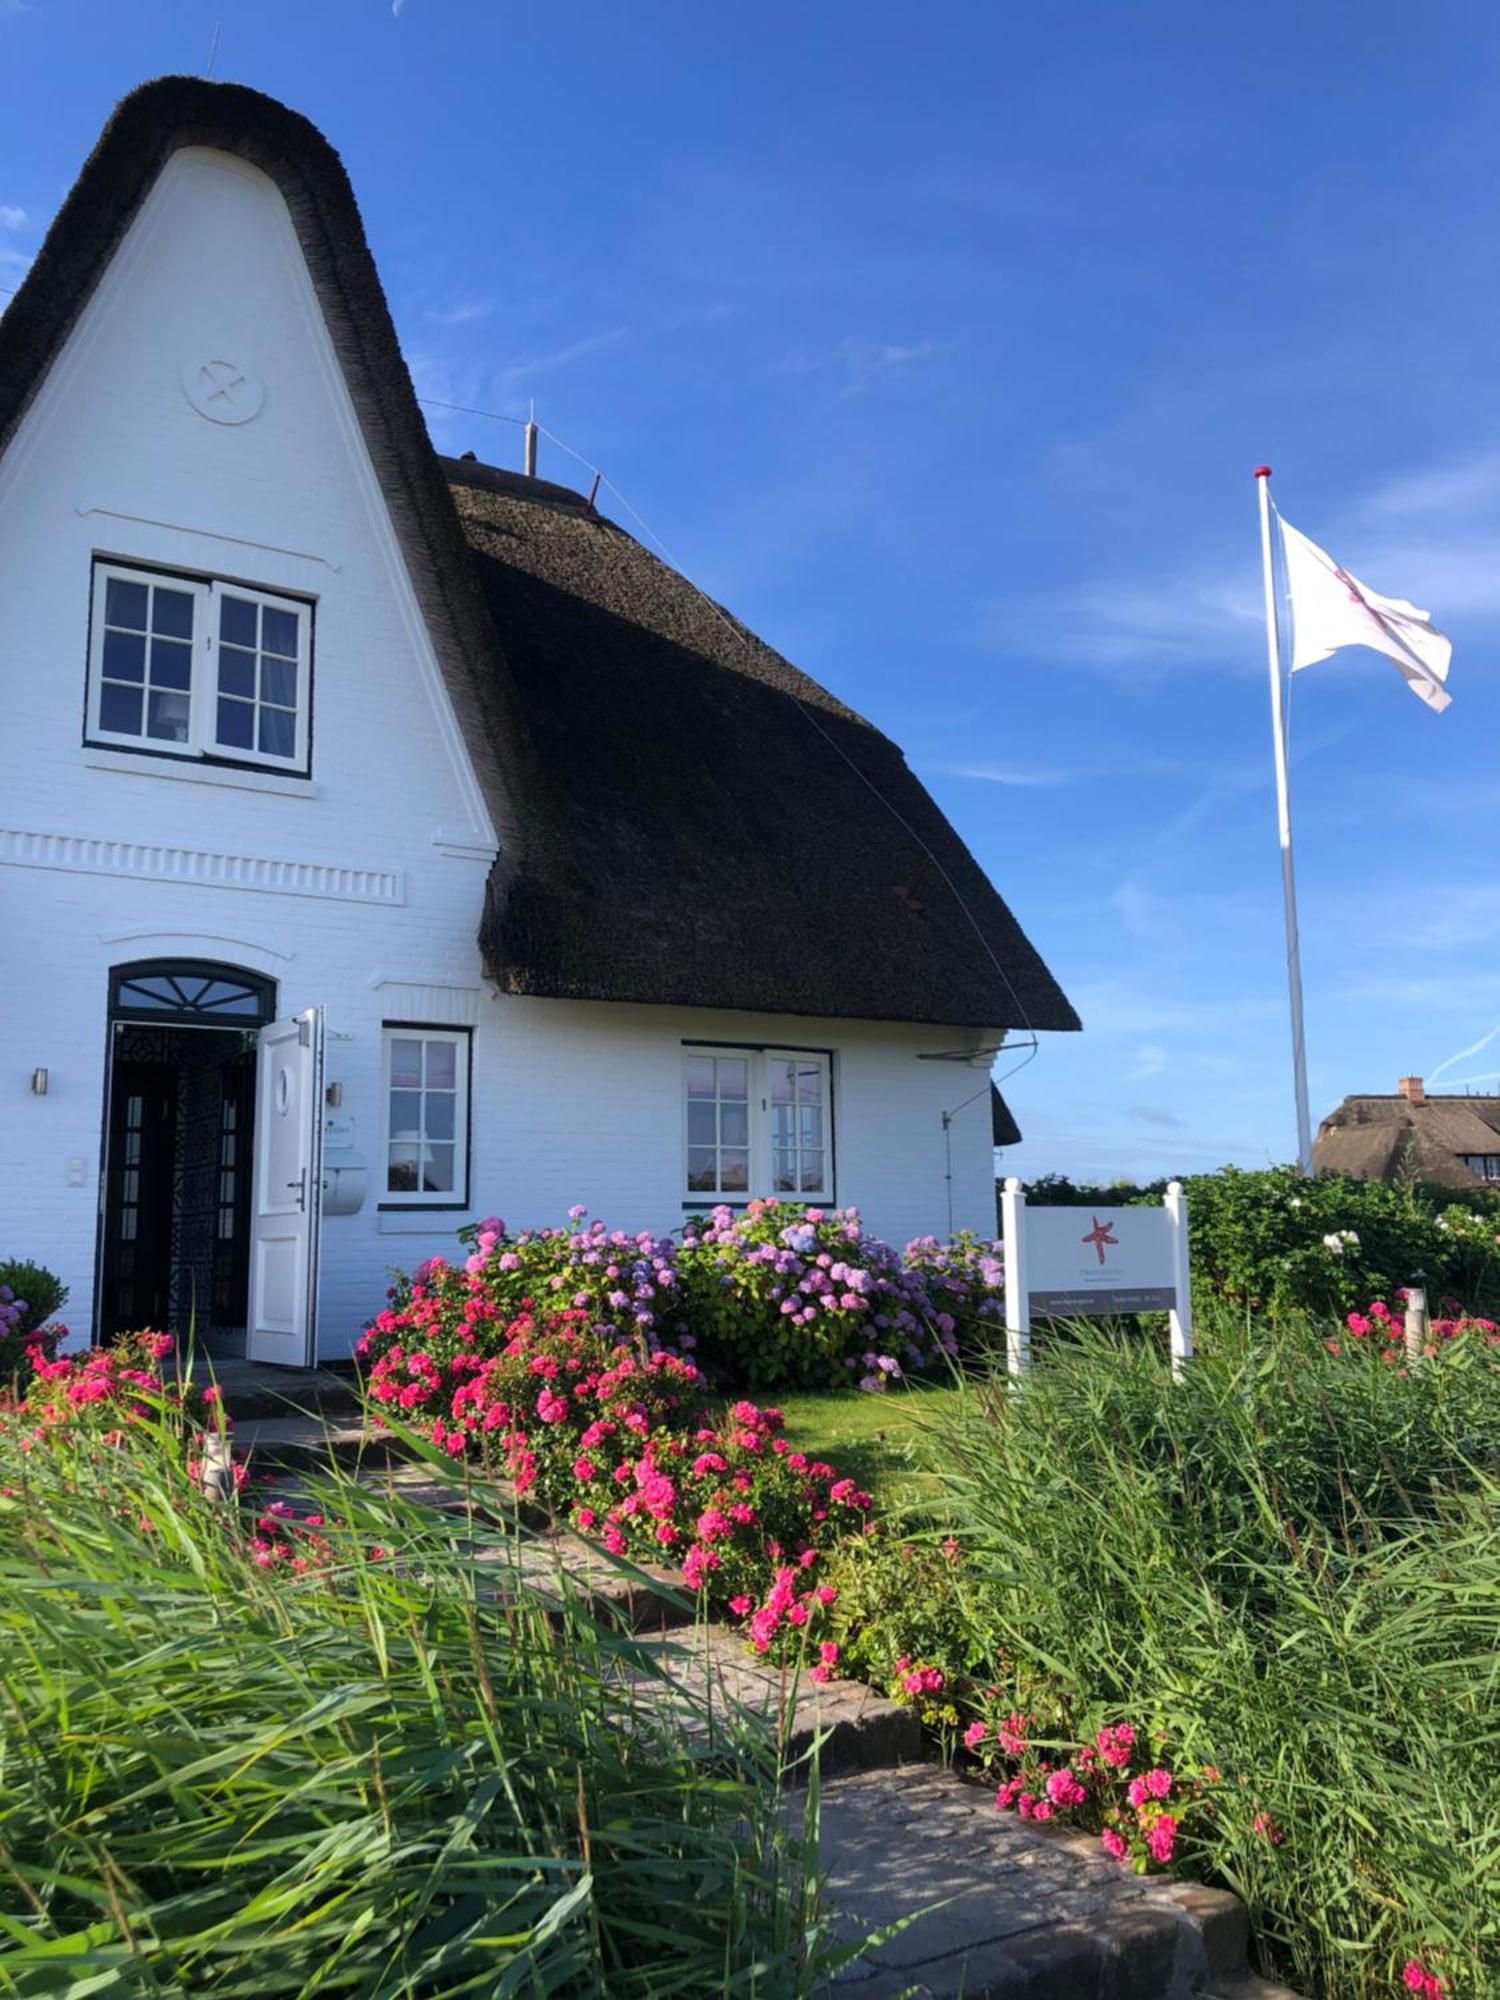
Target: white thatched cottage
(387, 840)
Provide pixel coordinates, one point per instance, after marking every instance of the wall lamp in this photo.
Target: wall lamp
(39, 1083)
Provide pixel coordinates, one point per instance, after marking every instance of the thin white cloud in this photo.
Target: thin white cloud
(1459, 486)
(995, 774)
(1196, 618)
(519, 374)
(11, 217)
(1150, 1060)
(1451, 1062)
(1153, 1114)
(867, 362)
(458, 315)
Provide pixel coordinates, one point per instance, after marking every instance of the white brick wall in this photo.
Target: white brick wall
(571, 1102)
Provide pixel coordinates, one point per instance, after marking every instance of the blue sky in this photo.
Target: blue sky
(941, 344)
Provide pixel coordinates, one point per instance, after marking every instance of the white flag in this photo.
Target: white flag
(1331, 608)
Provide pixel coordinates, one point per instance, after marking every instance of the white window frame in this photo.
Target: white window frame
(203, 682)
(461, 1040)
(761, 1150)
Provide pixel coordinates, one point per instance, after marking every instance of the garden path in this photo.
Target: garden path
(994, 1909)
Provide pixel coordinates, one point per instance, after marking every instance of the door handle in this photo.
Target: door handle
(300, 1184)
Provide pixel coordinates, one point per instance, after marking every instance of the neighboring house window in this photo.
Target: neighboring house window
(759, 1121)
(193, 668)
(426, 1094)
(1486, 1165)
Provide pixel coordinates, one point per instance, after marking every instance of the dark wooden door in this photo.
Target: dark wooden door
(138, 1197)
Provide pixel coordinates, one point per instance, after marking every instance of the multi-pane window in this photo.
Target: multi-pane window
(194, 668)
(259, 648)
(718, 1124)
(1486, 1165)
(799, 1136)
(146, 660)
(427, 1117)
(758, 1122)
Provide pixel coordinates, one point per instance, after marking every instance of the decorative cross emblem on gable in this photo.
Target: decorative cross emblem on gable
(223, 391)
(220, 381)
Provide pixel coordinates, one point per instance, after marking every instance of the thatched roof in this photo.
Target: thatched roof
(1003, 1127)
(1395, 1139)
(685, 818)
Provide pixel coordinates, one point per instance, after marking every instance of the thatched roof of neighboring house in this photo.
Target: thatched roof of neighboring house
(685, 817)
(1399, 1138)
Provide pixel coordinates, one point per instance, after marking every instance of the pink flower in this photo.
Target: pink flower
(1417, 1979)
(1042, 1809)
(1162, 1838)
(1115, 1743)
(974, 1735)
(740, 1605)
(1113, 1844)
(828, 1654)
(1064, 1789)
(1159, 1783)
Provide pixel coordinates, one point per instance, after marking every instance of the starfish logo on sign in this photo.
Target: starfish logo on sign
(1099, 1235)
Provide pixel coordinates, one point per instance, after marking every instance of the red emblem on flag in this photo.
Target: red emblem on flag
(1099, 1235)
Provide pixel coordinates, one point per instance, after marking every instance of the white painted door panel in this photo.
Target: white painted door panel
(288, 1186)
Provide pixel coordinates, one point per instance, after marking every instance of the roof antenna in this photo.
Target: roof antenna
(213, 50)
(530, 462)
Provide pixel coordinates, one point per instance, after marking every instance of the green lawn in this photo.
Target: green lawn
(878, 1440)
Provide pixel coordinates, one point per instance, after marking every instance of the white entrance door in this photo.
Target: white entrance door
(288, 1187)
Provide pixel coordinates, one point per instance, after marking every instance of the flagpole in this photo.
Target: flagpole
(1284, 829)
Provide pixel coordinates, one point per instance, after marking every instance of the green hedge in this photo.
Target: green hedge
(1260, 1238)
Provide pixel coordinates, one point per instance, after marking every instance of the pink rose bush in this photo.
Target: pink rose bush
(1114, 1783)
(613, 1439)
(133, 1380)
(1381, 1332)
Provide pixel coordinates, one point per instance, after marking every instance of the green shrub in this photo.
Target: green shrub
(1261, 1239)
(1288, 1566)
(30, 1297)
(410, 1777)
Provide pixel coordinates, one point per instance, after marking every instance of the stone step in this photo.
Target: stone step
(306, 1443)
(252, 1390)
(1003, 1910)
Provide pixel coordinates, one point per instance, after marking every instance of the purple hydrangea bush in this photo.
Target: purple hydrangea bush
(782, 1295)
(627, 1283)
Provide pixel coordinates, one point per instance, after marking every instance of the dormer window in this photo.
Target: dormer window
(192, 667)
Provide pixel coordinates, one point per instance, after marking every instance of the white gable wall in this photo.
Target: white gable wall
(359, 890)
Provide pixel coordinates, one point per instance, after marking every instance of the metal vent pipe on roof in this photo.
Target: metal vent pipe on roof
(530, 458)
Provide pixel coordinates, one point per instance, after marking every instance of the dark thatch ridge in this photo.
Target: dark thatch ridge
(685, 818)
(1377, 1138)
(1004, 1129)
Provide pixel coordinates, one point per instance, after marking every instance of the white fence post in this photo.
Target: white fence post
(1180, 1318)
(1017, 1309)
(1416, 1326)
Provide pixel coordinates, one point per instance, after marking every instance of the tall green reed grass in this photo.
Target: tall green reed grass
(1290, 1562)
(404, 1776)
